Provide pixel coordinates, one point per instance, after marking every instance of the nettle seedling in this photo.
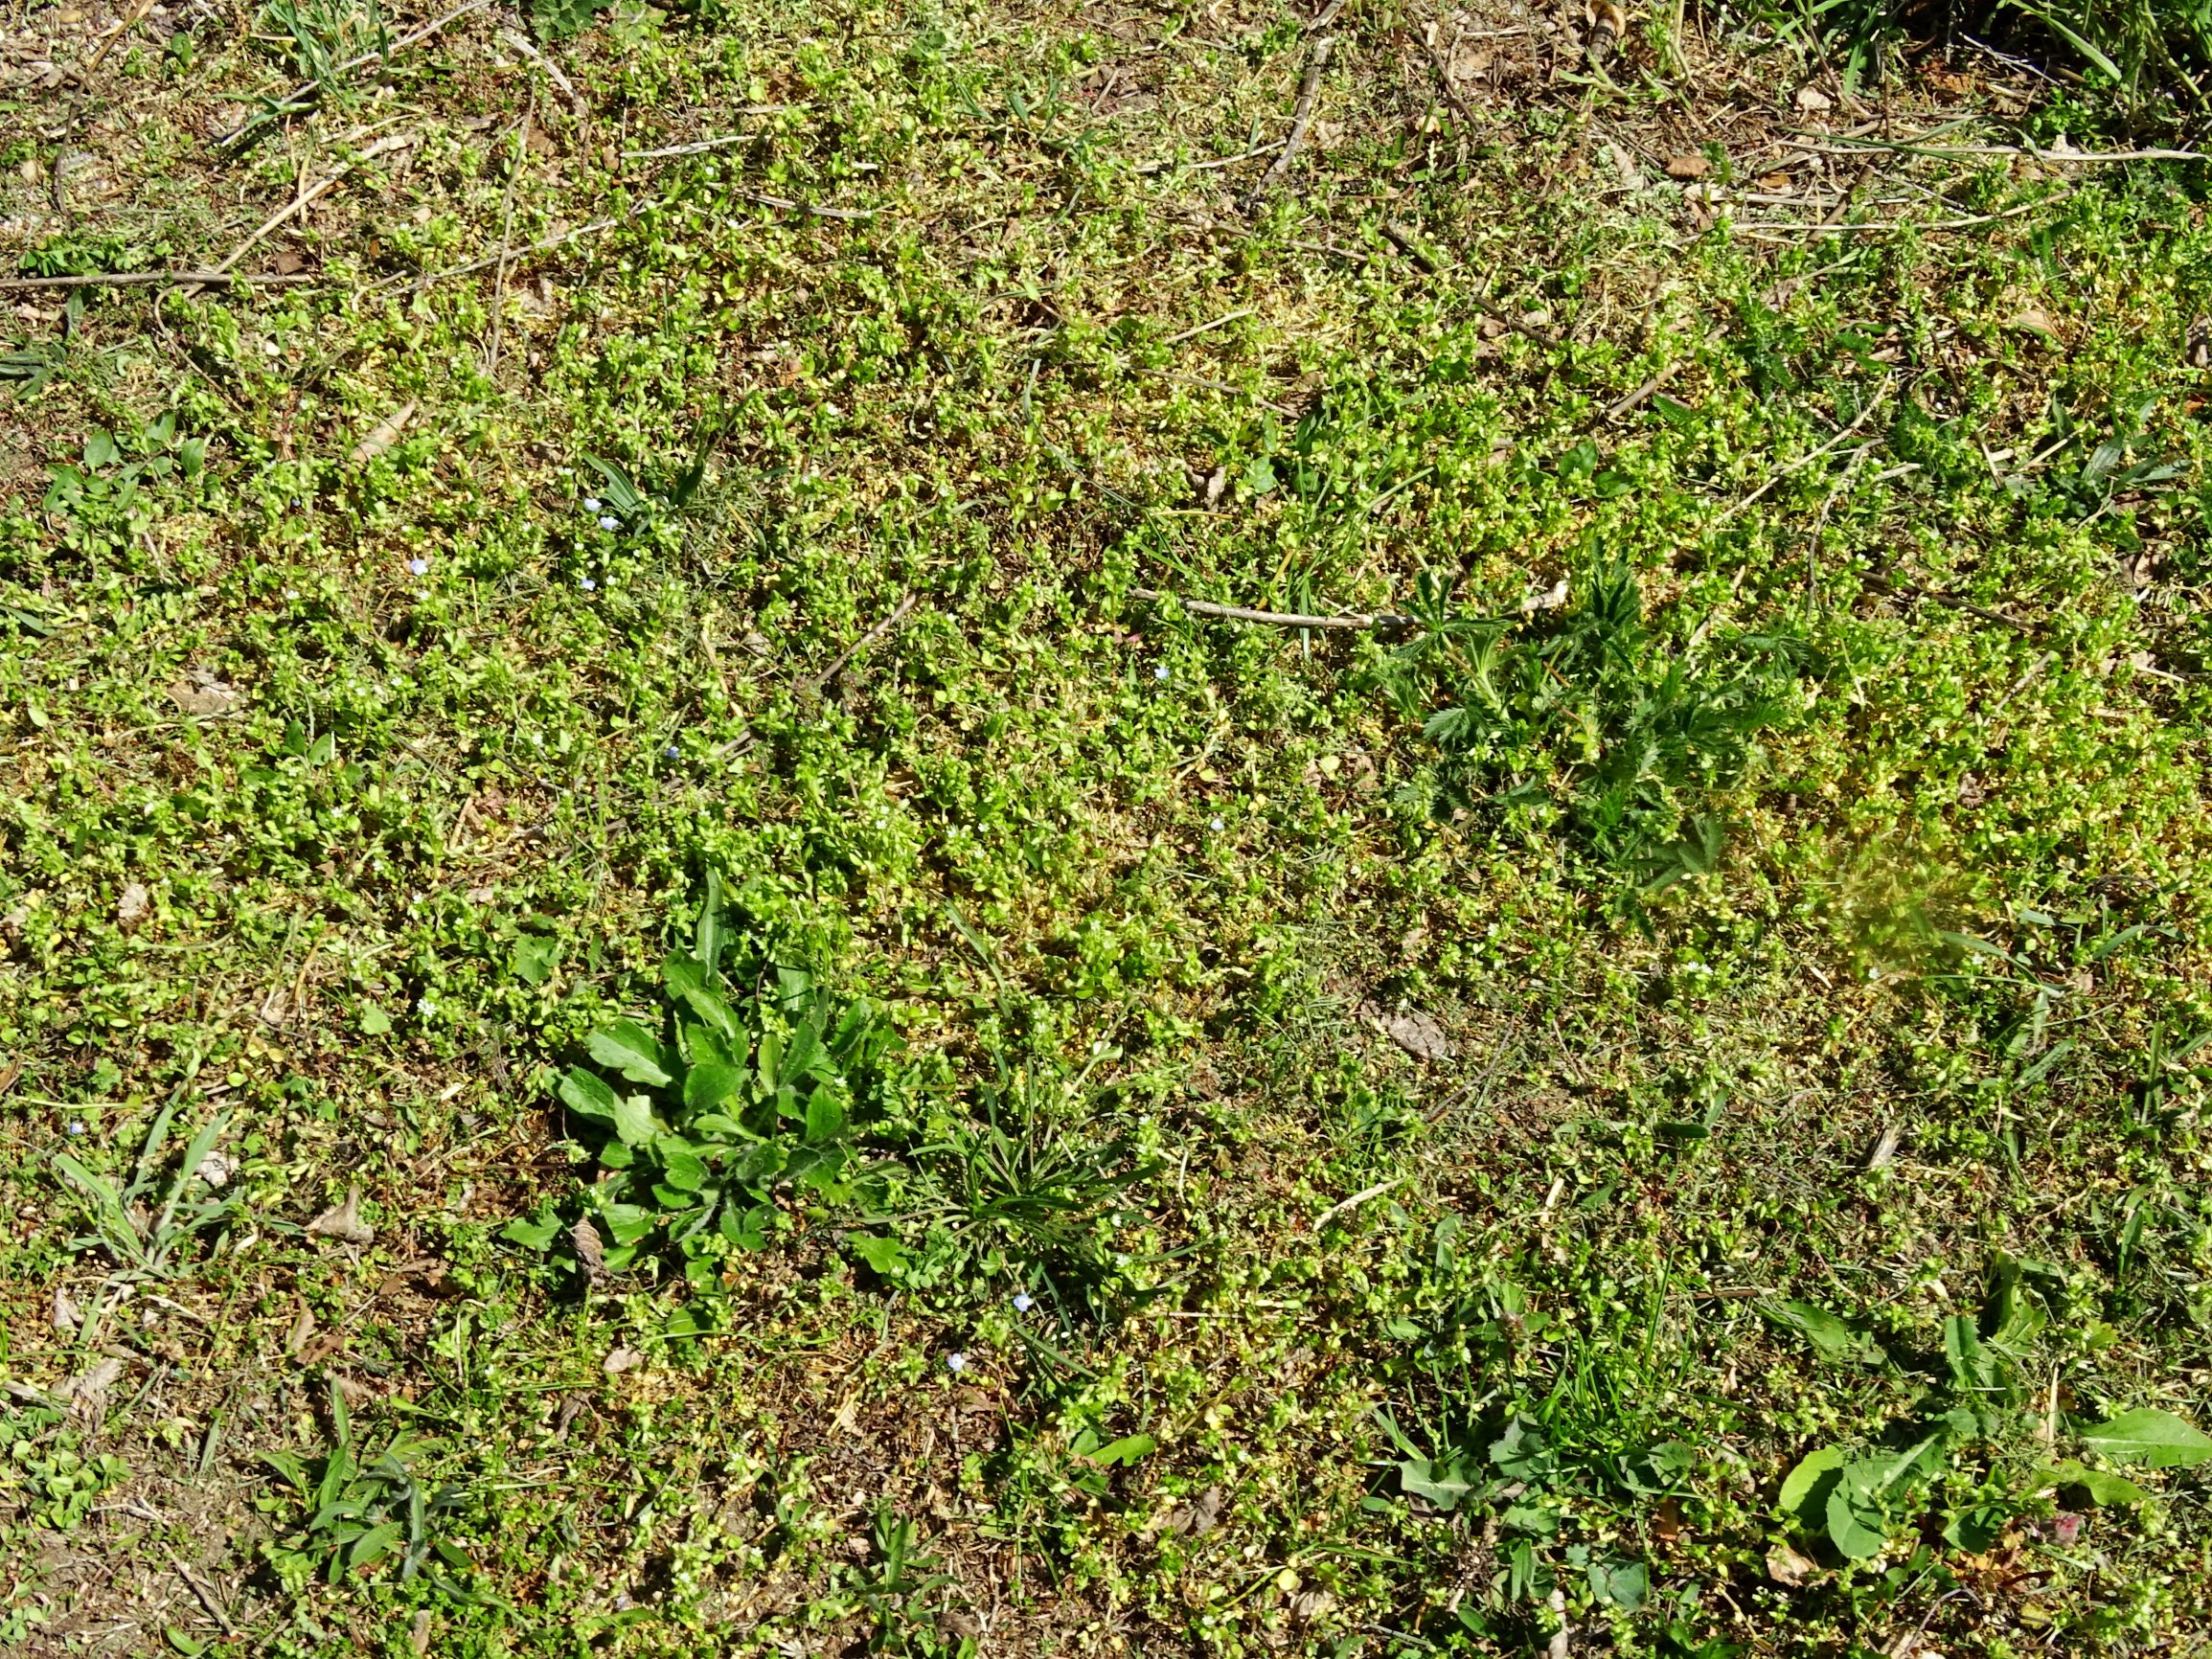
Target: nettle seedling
(741, 1097)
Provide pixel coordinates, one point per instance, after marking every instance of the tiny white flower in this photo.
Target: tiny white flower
(420, 566)
(956, 1362)
(270, 349)
(1160, 672)
(587, 585)
(591, 504)
(291, 593)
(426, 1007)
(1216, 824)
(608, 521)
(1023, 1301)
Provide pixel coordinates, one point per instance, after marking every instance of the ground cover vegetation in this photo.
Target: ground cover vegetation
(666, 992)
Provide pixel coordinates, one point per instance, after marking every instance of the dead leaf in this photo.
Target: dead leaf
(1416, 1031)
(133, 905)
(88, 1390)
(1667, 1521)
(2199, 352)
(1813, 100)
(383, 435)
(65, 1314)
(1688, 166)
(1771, 181)
(303, 1331)
(1199, 1517)
(2034, 320)
(1884, 1148)
(1215, 485)
(288, 264)
(619, 1360)
(418, 1637)
(1310, 1604)
(199, 693)
(343, 1222)
(1551, 599)
(589, 1251)
(1787, 1568)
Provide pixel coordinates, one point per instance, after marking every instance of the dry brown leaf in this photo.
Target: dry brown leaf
(1416, 1031)
(1667, 1521)
(1775, 181)
(289, 264)
(619, 1360)
(2034, 320)
(1787, 1568)
(589, 1251)
(1813, 100)
(303, 1331)
(133, 905)
(1197, 1518)
(199, 693)
(1687, 166)
(383, 435)
(88, 1390)
(65, 1314)
(343, 1222)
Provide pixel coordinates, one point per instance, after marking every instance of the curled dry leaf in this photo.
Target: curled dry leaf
(621, 1359)
(343, 1222)
(1688, 166)
(2034, 320)
(1197, 1518)
(303, 1331)
(383, 435)
(1813, 100)
(202, 694)
(1414, 1029)
(1787, 1568)
(589, 1251)
(133, 905)
(88, 1390)
(66, 1317)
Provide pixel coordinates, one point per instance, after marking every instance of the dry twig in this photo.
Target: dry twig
(1379, 619)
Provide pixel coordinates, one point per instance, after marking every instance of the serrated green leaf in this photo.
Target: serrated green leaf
(1441, 1481)
(628, 1048)
(2155, 1439)
(633, 1119)
(681, 1166)
(2101, 1486)
(587, 1094)
(1857, 1525)
(1805, 1488)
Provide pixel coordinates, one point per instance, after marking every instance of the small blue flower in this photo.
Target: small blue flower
(608, 521)
(591, 504)
(75, 1127)
(1216, 824)
(419, 566)
(1160, 672)
(1023, 1301)
(587, 585)
(671, 751)
(956, 1362)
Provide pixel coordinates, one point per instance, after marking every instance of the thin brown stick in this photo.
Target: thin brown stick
(1442, 68)
(1150, 168)
(1301, 116)
(821, 681)
(136, 17)
(299, 202)
(1643, 393)
(307, 88)
(1275, 618)
(149, 279)
(507, 229)
(806, 207)
(1966, 152)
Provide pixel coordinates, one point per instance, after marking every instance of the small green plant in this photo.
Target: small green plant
(559, 19)
(1018, 1194)
(1586, 719)
(894, 1585)
(141, 1245)
(741, 1094)
(43, 1466)
(362, 1511)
